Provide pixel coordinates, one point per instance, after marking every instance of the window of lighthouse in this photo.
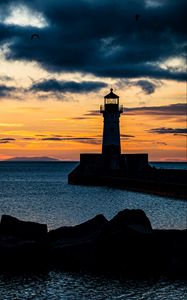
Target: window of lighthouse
(111, 101)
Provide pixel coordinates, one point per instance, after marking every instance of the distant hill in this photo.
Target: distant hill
(44, 158)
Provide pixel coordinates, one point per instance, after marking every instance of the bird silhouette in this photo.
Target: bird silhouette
(137, 17)
(35, 35)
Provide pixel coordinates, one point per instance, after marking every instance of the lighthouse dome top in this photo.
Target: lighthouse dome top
(111, 95)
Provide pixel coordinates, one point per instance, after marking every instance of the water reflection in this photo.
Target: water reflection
(79, 286)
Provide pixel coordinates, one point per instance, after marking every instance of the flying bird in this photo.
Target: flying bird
(35, 35)
(137, 17)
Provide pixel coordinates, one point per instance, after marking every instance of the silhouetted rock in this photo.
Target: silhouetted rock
(22, 244)
(172, 246)
(84, 230)
(19, 254)
(15, 252)
(127, 244)
(133, 218)
(22, 229)
(74, 246)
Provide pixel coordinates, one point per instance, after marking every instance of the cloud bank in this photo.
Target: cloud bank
(164, 130)
(101, 37)
(57, 86)
(178, 109)
(6, 140)
(5, 91)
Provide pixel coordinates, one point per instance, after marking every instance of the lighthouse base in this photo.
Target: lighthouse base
(129, 171)
(93, 167)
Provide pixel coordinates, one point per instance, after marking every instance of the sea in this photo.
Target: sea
(39, 191)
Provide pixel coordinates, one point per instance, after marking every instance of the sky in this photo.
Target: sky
(53, 83)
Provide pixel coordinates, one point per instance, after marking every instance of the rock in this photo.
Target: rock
(22, 244)
(125, 229)
(74, 247)
(26, 230)
(133, 218)
(126, 243)
(79, 232)
(172, 246)
(18, 254)
(129, 245)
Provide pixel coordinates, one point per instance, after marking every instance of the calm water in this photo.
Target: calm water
(39, 192)
(170, 165)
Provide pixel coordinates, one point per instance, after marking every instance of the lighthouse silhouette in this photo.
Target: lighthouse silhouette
(111, 111)
(110, 166)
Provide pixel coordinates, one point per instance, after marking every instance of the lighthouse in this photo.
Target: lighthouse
(111, 111)
(109, 167)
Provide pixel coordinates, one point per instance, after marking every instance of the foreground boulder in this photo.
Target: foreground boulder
(131, 218)
(127, 244)
(74, 246)
(22, 244)
(26, 230)
(82, 231)
(17, 254)
(172, 246)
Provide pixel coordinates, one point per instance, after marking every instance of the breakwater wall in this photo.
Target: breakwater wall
(131, 172)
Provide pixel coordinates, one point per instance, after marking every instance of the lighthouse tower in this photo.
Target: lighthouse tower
(111, 165)
(111, 111)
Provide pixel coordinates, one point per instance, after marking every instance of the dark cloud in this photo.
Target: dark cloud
(57, 86)
(164, 130)
(181, 134)
(147, 86)
(178, 109)
(87, 140)
(160, 143)
(58, 135)
(103, 38)
(5, 91)
(65, 138)
(57, 138)
(79, 118)
(6, 140)
(93, 141)
(93, 113)
(126, 136)
(53, 139)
